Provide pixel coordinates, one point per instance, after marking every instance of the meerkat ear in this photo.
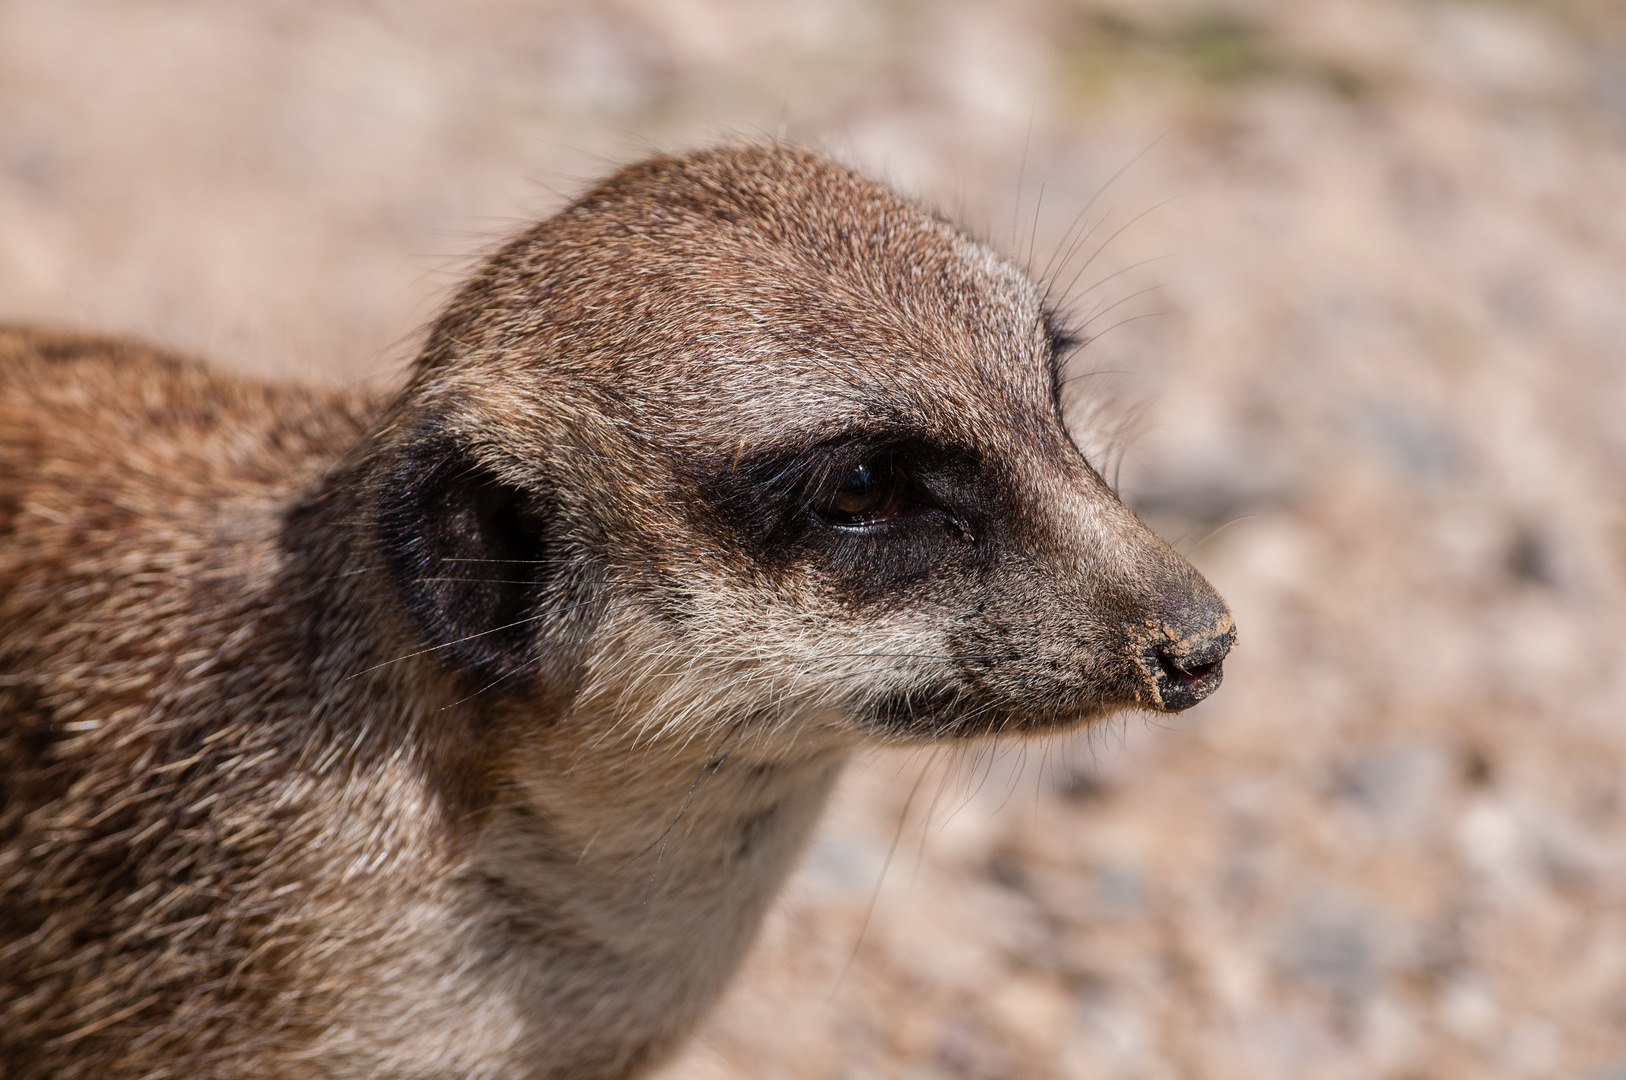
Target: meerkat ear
(467, 550)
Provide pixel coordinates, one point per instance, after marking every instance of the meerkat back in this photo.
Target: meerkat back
(140, 495)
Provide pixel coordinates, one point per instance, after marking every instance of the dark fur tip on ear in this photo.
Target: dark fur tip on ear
(466, 551)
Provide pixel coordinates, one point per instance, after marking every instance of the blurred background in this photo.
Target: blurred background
(1356, 276)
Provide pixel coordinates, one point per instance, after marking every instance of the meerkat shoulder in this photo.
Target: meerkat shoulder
(120, 409)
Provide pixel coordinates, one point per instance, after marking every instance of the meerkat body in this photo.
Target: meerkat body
(471, 733)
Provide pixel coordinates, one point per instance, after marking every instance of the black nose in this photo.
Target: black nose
(1184, 671)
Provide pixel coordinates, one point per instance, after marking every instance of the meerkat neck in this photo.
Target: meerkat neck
(599, 910)
(585, 900)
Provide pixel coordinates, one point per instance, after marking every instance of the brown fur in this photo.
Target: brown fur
(469, 735)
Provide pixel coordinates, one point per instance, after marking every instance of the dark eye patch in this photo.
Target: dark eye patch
(871, 511)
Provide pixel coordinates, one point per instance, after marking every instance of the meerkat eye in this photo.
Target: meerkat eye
(867, 493)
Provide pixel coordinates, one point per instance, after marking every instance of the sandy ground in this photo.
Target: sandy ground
(1358, 272)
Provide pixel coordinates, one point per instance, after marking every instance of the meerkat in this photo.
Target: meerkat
(469, 733)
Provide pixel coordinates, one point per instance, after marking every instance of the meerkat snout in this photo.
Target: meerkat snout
(471, 734)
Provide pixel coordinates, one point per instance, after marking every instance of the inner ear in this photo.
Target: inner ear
(468, 552)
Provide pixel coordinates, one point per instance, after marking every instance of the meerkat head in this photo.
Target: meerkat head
(744, 420)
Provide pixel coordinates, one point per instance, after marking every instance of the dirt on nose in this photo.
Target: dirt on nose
(1181, 671)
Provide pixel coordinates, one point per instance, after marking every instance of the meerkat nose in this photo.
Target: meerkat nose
(1186, 669)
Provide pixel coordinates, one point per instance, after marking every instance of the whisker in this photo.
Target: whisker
(1118, 303)
(1093, 199)
(1021, 176)
(476, 580)
(1092, 373)
(1126, 321)
(1119, 231)
(537, 659)
(695, 789)
(1120, 272)
(444, 645)
(482, 633)
(903, 656)
(1033, 234)
(1204, 537)
(875, 894)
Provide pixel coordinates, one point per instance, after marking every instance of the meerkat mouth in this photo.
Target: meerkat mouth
(952, 713)
(1174, 675)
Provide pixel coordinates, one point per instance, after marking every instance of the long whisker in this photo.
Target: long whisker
(1118, 303)
(481, 633)
(445, 645)
(695, 789)
(1090, 203)
(1119, 231)
(875, 894)
(904, 656)
(533, 661)
(1127, 320)
(1203, 536)
(1120, 272)
(1033, 234)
